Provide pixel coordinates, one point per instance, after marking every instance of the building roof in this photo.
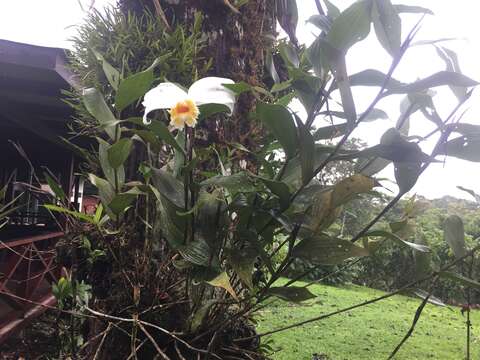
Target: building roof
(32, 79)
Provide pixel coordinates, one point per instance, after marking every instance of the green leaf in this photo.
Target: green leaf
(326, 250)
(107, 169)
(75, 214)
(280, 122)
(161, 131)
(242, 262)
(393, 147)
(121, 202)
(374, 114)
(291, 293)
(208, 110)
(197, 252)
(239, 87)
(105, 189)
(97, 107)
(113, 76)
(388, 26)
(406, 175)
(412, 9)
(270, 64)
(292, 175)
(169, 187)
(287, 16)
(56, 188)
(119, 152)
(278, 188)
(466, 129)
(463, 147)
(322, 22)
(317, 57)
(452, 64)
(371, 166)
(454, 235)
(460, 279)
(339, 66)
(440, 78)
(332, 11)
(399, 240)
(372, 77)
(239, 182)
(199, 316)
(422, 294)
(281, 87)
(471, 192)
(289, 54)
(330, 132)
(134, 87)
(351, 26)
(306, 152)
(423, 260)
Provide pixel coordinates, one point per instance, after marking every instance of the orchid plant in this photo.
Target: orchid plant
(228, 234)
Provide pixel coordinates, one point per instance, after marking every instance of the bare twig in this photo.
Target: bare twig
(161, 13)
(105, 333)
(418, 313)
(152, 340)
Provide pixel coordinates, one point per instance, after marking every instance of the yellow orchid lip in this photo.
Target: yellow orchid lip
(184, 112)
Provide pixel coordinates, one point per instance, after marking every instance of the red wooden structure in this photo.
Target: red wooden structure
(32, 116)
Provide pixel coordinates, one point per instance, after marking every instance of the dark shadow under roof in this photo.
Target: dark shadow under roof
(31, 82)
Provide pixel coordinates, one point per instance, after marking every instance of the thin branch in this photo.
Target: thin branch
(161, 13)
(319, 7)
(105, 333)
(418, 313)
(152, 340)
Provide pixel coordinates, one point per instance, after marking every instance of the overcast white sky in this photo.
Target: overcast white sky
(52, 22)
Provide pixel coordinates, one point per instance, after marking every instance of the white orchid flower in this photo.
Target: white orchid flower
(182, 105)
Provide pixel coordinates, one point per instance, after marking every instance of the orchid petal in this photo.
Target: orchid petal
(210, 90)
(163, 96)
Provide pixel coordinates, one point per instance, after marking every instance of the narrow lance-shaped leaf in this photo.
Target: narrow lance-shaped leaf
(56, 188)
(280, 122)
(454, 235)
(465, 147)
(112, 74)
(242, 262)
(423, 260)
(287, 16)
(460, 279)
(327, 250)
(134, 87)
(97, 107)
(351, 26)
(471, 192)
(412, 9)
(452, 64)
(399, 240)
(119, 152)
(161, 131)
(388, 26)
(406, 175)
(307, 151)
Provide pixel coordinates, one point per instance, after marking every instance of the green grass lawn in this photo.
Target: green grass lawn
(369, 332)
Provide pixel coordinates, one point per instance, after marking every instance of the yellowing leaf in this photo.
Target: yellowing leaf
(223, 281)
(348, 188)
